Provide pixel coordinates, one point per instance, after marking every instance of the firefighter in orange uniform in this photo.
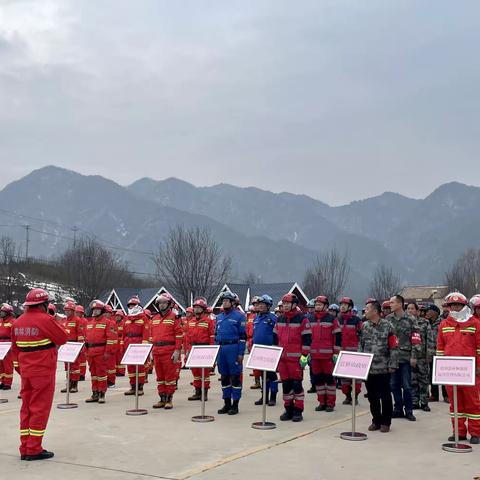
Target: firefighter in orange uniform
(74, 328)
(135, 330)
(166, 336)
(35, 336)
(80, 313)
(6, 365)
(200, 331)
(120, 320)
(100, 340)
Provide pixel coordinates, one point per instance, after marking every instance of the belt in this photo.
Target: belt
(133, 335)
(162, 344)
(5, 338)
(228, 342)
(35, 349)
(91, 345)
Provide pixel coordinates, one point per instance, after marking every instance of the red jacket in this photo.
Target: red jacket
(74, 328)
(165, 331)
(293, 332)
(459, 339)
(326, 336)
(35, 336)
(351, 327)
(200, 331)
(135, 329)
(100, 336)
(6, 325)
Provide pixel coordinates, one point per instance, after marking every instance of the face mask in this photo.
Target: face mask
(135, 310)
(463, 315)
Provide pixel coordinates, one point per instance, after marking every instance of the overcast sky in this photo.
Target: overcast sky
(337, 99)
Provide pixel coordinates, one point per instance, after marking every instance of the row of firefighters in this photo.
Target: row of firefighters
(397, 339)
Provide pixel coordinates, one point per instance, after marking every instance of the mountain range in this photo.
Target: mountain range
(274, 235)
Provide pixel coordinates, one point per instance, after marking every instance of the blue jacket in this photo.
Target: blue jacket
(263, 325)
(230, 327)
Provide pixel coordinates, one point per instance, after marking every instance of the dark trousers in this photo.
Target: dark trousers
(401, 385)
(434, 388)
(380, 398)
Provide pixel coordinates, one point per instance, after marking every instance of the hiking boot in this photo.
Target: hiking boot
(160, 403)
(44, 455)
(287, 415)
(226, 407)
(329, 409)
(273, 399)
(234, 408)
(101, 397)
(384, 428)
(425, 407)
(410, 417)
(140, 390)
(197, 395)
(168, 403)
(297, 415)
(451, 438)
(373, 427)
(320, 408)
(260, 400)
(474, 440)
(93, 398)
(347, 401)
(130, 392)
(74, 387)
(312, 389)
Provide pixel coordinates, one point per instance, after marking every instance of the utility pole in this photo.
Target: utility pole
(75, 230)
(27, 241)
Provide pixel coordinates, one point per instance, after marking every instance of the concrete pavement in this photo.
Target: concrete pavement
(101, 442)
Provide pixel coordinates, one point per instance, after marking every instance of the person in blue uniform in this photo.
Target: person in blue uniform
(263, 325)
(230, 334)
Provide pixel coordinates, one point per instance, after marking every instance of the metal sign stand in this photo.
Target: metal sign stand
(136, 410)
(353, 435)
(264, 425)
(456, 447)
(67, 405)
(3, 400)
(203, 418)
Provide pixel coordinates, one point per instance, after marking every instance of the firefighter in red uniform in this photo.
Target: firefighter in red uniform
(6, 365)
(294, 334)
(184, 323)
(112, 359)
(459, 335)
(100, 340)
(200, 331)
(149, 362)
(166, 336)
(120, 321)
(82, 358)
(74, 328)
(135, 330)
(35, 336)
(351, 326)
(326, 342)
(252, 313)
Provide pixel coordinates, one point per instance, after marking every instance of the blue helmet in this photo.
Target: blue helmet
(228, 296)
(334, 306)
(266, 299)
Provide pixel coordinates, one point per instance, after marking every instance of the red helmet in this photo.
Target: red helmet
(164, 297)
(456, 298)
(189, 310)
(370, 300)
(346, 300)
(52, 308)
(69, 305)
(108, 308)
(6, 308)
(134, 300)
(147, 312)
(290, 298)
(36, 296)
(79, 309)
(200, 302)
(97, 304)
(119, 313)
(386, 304)
(322, 299)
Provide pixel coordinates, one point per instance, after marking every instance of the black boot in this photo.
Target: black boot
(260, 400)
(348, 399)
(101, 397)
(234, 408)
(197, 395)
(312, 389)
(44, 455)
(288, 414)
(226, 407)
(297, 415)
(74, 387)
(140, 390)
(273, 399)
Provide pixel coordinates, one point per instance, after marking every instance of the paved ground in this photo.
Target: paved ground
(101, 442)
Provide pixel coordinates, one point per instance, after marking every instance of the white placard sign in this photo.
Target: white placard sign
(453, 371)
(353, 365)
(264, 357)
(4, 349)
(69, 352)
(202, 356)
(136, 354)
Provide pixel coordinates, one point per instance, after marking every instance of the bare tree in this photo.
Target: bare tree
(8, 269)
(385, 283)
(91, 269)
(464, 275)
(190, 261)
(328, 275)
(251, 278)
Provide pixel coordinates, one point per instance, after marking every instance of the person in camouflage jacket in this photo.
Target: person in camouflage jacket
(378, 337)
(409, 342)
(421, 372)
